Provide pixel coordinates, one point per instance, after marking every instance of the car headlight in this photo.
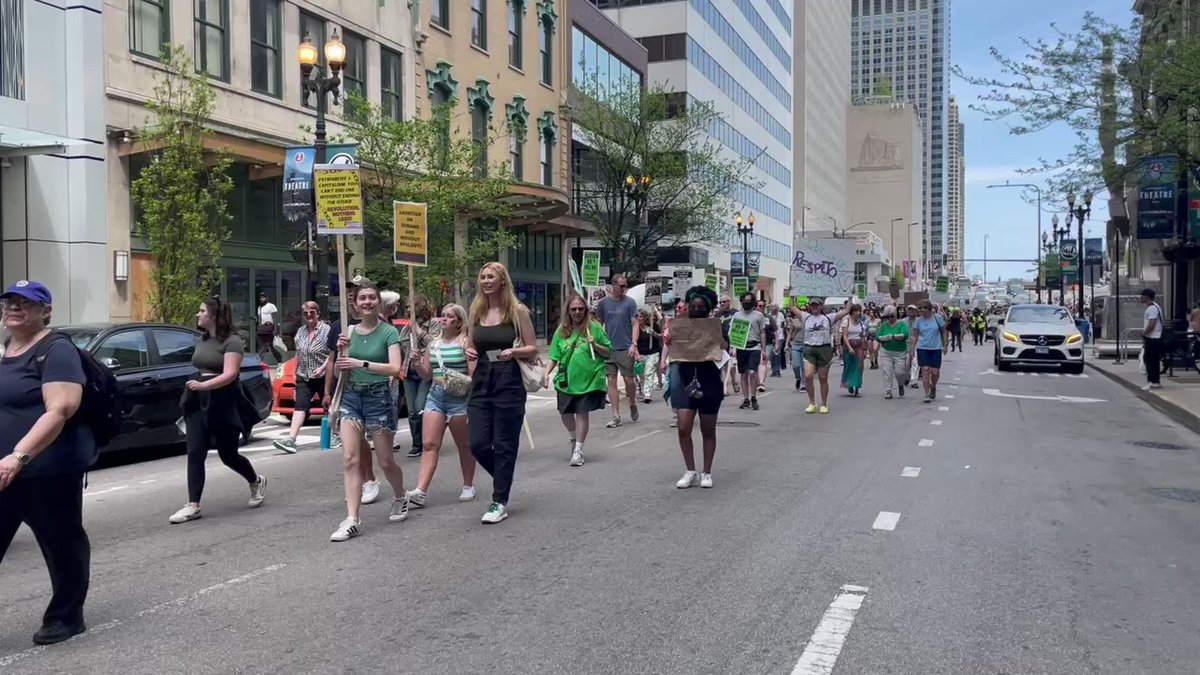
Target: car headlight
(1010, 337)
(1075, 338)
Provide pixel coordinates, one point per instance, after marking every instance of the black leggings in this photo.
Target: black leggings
(225, 437)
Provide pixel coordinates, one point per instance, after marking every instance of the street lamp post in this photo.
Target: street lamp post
(745, 228)
(1081, 213)
(314, 81)
(1037, 284)
(985, 241)
(637, 190)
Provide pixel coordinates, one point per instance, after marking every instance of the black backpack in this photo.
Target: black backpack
(100, 407)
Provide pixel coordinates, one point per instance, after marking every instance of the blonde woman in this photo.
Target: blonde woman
(371, 360)
(446, 354)
(578, 352)
(500, 331)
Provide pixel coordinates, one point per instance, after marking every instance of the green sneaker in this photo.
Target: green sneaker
(287, 445)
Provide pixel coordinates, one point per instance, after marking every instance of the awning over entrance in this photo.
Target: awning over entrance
(17, 142)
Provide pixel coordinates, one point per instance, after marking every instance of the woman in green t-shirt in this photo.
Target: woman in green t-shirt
(368, 360)
(892, 337)
(580, 346)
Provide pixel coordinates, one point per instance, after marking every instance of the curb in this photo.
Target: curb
(1176, 412)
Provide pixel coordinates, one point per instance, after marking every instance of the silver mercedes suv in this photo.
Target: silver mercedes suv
(1039, 335)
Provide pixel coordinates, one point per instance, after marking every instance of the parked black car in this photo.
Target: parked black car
(152, 363)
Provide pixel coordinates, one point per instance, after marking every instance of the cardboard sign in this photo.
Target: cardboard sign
(823, 267)
(339, 199)
(739, 332)
(696, 340)
(591, 268)
(654, 290)
(410, 234)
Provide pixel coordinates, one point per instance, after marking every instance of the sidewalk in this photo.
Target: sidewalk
(1179, 398)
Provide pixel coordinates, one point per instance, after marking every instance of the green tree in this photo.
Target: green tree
(882, 86)
(631, 132)
(180, 195)
(433, 162)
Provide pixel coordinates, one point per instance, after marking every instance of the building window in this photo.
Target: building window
(439, 13)
(391, 85)
(149, 26)
(211, 33)
(547, 161)
(516, 155)
(545, 40)
(479, 23)
(313, 27)
(12, 48)
(354, 75)
(479, 138)
(265, 28)
(514, 34)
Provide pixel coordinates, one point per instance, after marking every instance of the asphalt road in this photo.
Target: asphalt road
(1036, 537)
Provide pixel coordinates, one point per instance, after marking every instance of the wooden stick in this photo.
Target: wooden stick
(344, 313)
(528, 433)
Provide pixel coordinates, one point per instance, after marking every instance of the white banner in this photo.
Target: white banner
(823, 267)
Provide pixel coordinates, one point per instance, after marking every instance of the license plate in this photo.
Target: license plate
(1041, 350)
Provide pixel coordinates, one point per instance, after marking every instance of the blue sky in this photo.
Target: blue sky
(993, 155)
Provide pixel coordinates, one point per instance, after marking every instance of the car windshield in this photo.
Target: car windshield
(82, 337)
(1039, 315)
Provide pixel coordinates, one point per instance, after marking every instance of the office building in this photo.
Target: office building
(822, 84)
(955, 193)
(899, 51)
(52, 155)
(736, 54)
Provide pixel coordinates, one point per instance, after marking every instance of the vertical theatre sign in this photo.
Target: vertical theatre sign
(1157, 181)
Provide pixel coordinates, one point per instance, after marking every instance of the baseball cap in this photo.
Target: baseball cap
(357, 281)
(30, 290)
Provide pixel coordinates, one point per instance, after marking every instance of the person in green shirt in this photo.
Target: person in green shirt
(893, 340)
(578, 352)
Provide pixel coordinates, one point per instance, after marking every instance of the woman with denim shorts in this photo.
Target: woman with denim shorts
(443, 409)
(369, 356)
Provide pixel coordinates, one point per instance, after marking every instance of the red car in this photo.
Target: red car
(284, 387)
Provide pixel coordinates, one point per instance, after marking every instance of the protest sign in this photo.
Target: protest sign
(823, 267)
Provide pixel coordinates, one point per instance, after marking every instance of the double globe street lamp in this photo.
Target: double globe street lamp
(1081, 213)
(745, 228)
(313, 80)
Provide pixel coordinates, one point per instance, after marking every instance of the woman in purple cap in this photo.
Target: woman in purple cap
(43, 455)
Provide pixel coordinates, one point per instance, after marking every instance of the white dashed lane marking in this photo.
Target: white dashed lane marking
(886, 520)
(910, 472)
(944, 408)
(926, 442)
(935, 423)
(821, 653)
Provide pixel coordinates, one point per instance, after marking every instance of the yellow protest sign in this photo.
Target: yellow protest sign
(410, 233)
(339, 199)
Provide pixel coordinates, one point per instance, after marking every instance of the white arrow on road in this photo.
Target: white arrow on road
(1060, 399)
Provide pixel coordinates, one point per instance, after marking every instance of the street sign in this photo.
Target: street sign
(410, 233)
(339, 199)
(591, 268)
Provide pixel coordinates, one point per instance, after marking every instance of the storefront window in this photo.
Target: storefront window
(533, 296)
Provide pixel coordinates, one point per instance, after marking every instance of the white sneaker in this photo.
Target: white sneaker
(399, 510)
(258, 492)
(468, 493)
(495, 513)
(706, 480)
(416, 499)
(349, 528)
(370, 492)
(577, 458)
(690, 479)
(188, 512)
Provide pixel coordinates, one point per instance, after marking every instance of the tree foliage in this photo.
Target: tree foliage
(181, 195)
(433, 162)
(1125, 91)
(634, 132)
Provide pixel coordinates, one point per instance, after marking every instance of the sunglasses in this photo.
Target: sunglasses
(578, 309)
(309, 312)
(18, 304)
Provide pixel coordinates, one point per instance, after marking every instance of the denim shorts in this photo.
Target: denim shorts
(371, 405)
(444, 404)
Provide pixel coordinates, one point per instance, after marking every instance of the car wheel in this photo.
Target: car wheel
(1074, 368)
(1003, 365)
(995, 357)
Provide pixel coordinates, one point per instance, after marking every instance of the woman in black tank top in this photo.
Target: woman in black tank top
(496, 407)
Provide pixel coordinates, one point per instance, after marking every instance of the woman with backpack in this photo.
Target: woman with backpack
(211, 407)
(446, 366)
(577, 352)
(43, 454)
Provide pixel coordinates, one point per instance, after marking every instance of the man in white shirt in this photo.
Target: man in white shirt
(268, 327)
(1152, 347)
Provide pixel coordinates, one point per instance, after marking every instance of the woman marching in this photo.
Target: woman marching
(369, 355)
(210, 407)
(649, 348)
(893, 338)
(854, 342)
(447, 367)
(578, 352)
(818, 350)
(697, 390)
(416, 337)
(500, 332)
